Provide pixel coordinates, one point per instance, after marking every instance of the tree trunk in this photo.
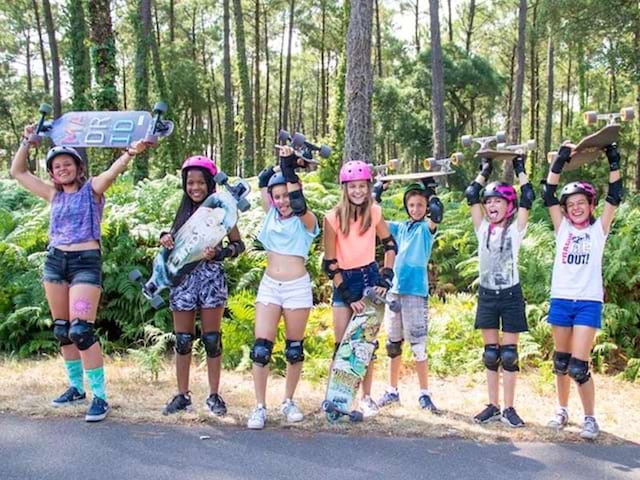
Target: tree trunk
(259, 160)
(287, 78)
(437, 84)
(512, 68)
(124, 81)
(172, 21)
(516, 112)
(417, 25)
(568, 115)
(45, 75)
(450, 21)
(281, 73)
(359, 83)
(157, 63)
(103, 46)
(27, 41)
(143, 32)
(80, 61)
(324, 102)
(247, 101)
(548, 120)
(469, 32)
(636, 48)
(55, 59)
(228, 144)
(533, 99)
(268, 77)
(378, 40)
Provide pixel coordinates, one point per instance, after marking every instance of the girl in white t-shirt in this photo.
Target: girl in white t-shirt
(576, 286)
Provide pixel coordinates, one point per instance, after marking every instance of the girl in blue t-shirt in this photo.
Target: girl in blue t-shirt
(285, 289)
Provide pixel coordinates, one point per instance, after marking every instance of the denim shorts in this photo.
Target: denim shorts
(504, 308)
(357, 279)
(568, 313)
(83, 266)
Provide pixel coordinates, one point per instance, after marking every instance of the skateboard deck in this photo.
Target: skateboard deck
(104, 129)
(414, 176)
(353, 356)
(504, 152)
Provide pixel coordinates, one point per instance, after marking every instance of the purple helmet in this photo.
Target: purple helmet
(578, 187)
(504, 191)
(200, 161)
(354, 170)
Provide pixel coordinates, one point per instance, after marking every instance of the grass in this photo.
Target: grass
(27, 387)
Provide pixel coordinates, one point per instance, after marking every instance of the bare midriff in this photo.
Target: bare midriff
(78, 247)
(285, 267)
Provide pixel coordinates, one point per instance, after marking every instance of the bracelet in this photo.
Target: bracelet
(131, 154)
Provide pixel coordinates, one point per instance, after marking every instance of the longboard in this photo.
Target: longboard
(504, 152)
(303, 148)
(353, 356)
(414, 176)
(484, 142)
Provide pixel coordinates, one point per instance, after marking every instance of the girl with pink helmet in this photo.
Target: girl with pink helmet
(350, 231)
(204, 289)
(577, 291)
(500, 225)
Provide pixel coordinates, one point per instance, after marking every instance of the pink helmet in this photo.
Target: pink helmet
(354, 170)
(504, 191)
(200, 161)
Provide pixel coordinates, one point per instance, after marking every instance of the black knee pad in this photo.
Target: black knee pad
(212, 343)
(579, 370)
(61, 331)
(294, 351)
(394, 349)
(491, 356)
(184, 342)
(81, 333)
(261, 351)
(509, 358)
(561, 363)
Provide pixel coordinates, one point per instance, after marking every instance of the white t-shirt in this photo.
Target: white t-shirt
(577, 268)
(499, 256)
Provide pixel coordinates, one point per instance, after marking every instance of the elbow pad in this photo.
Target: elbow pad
(328, 267)
(297, 202)
(238, 247)
(389, 243)
(615, 193)
(472, 193)
(527, 196)
(549, 194)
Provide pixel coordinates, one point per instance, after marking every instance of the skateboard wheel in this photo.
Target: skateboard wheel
(45, 109)
(150, 139)
(135, 276)
(427, 163)
(327, 406)
(325, 151)
(220, 178)
(501, 137)
(356, 416)
(466, 141)
(627, 114)
(457, 158)
(243, 205)
(531, 145)
(157, 302)
(551, 156)
(501, 146)
(283, 136)
(160, 107)
(298, 140)
(394, 306)
(393, 163)
(590, 117)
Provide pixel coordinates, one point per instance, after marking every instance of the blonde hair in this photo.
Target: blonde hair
(345, 211)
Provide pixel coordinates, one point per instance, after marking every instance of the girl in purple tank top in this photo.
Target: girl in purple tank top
(72, 271)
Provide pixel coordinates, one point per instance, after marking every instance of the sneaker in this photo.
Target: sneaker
(590, 428)
(290, 410)
(559, 420)
(388, 398)
(216, 405)
(427, 404)
(489, 414)
(369, 407)
(258, 418)
(70, 397)
(97, 410)
(510, 417)
(180, 403)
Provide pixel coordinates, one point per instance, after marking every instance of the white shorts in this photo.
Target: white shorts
(291, 294)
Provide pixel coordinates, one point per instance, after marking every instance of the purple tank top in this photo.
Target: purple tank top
(75, 217)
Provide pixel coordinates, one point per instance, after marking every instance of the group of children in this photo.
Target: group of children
(72, 276)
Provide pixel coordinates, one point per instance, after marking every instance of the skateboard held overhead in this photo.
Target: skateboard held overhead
(302, 147)
(414, 176)
(506, 152)
(484, 142)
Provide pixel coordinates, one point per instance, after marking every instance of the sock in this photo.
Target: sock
(391, 389)
(425, 391)
(74, 372)
(96, 382)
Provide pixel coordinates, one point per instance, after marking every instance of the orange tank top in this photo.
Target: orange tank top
(355, 250)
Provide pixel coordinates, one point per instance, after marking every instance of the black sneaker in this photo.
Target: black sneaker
(216, 405)
(510, 417)
(70, 397)
(180, 403)
(97, 410)
(489, 414)
(427, 404)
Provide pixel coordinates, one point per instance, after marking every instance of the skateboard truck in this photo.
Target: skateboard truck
(239, 191)
(334, 412)
(529, 146)
(303, 148)
(385, 167)
(371, 294)
(42, 126)
(484, 142)
(454, 159)
(156, 300)
(157, 124)
(626, 115)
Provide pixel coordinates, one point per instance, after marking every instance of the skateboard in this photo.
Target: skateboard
(484, 142)
(506, 152)
(210, 223)
(353, 356)
(385, 168)
(302, 147)
(591, 147)
(103, 129)
(443, 163)
(414, 176)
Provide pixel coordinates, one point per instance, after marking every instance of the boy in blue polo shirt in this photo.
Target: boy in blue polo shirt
(411, 287)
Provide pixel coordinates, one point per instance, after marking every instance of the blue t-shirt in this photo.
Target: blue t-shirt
(286, 236)
(415, 241)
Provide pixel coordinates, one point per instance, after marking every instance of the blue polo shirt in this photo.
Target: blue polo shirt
(415, 242)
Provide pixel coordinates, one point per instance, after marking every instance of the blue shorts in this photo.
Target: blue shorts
(357, 279)
(568, 313)
(73, 267)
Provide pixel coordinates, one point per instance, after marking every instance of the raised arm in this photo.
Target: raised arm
(289, 161)
(615, 191)
(102, 182)
(473, 191)
(551, 185)
(20, 171)
(263, 183)
(527, 196)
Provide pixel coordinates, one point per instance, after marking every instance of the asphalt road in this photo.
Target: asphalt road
(72, 449)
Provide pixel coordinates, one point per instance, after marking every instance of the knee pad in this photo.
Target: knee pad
(491, 356)
(579, 370)
(81, 333)
(61, 331)
(509, 358)
(294, 351)
(212, 343)
(184, 341)
(419, 351)
(261, 351)
(561, 363)
(394, 349)
(297, 203)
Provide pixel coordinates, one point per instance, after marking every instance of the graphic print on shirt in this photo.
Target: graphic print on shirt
(497, 263)
(577, 249)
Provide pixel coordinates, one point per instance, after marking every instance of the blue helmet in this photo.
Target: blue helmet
(276, 179)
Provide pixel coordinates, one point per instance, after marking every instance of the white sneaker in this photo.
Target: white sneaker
(257, 418)
(590, 428)
(369, 407)
(291, 411)
(559, 420)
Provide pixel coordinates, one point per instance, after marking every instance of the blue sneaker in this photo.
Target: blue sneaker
(427, 404)
(70, 397)
(388, 398)
(97, 411)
